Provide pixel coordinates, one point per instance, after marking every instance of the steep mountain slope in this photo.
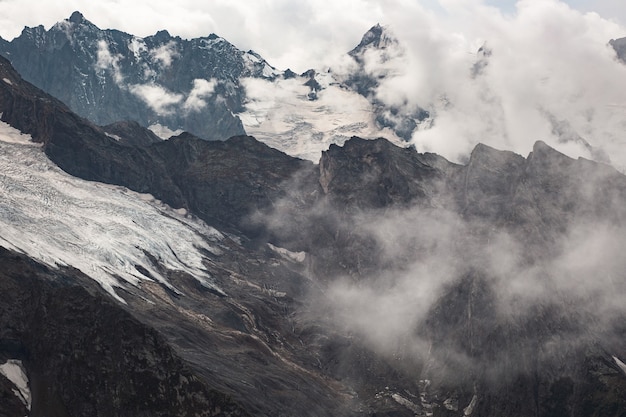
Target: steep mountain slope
(173, 171)
(86, 356)
(237, 339)
(380, 282)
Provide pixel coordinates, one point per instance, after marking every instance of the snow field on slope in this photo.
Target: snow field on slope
(279, 114)
(103, 230)
(13, 370)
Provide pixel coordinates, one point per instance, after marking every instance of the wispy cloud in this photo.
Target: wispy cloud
(158, 98)
(196, 99)
(106, 61)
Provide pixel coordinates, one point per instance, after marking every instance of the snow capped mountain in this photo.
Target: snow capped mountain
(377, 56)
(303, 115)
(208, 87)
(620, 48)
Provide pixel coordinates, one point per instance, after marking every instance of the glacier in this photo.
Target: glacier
(280, 114)
(118, 237)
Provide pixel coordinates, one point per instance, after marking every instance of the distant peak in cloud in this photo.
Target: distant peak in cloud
(378, 37)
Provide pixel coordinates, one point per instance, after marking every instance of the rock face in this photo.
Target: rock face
(473, 340)
(84, 355)
(107, 76)
(620, 47)
(131, 133)
(379, 282)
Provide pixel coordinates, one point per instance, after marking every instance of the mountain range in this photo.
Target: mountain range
(205, 86)
(187, 276)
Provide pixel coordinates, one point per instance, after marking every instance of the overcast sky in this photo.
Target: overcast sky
(298, 34)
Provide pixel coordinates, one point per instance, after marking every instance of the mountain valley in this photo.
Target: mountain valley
(211, 274)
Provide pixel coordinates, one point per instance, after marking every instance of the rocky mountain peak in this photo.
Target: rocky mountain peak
(381, 47)
(76, 22)
(162, 35)
(375, 173)
(548, 155)
(77, 17)
(378, 37)
(486, 155)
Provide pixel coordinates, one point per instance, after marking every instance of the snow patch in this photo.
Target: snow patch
(108, 232)
(619, 363)
(112, 136)
(280, 114)
(14, 371)
(252, 61)
(292, 256)
(209, 43)
(467, 411)
(6, 80)
(451, 404)
(164, 132)
(406, 403)
(9, 134)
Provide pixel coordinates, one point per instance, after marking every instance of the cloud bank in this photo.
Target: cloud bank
(547, 66)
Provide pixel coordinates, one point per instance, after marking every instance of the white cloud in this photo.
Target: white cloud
(165, 102)
(159, 99)
(106, 61)
(201, 89)
(165, 54)
(549, 63)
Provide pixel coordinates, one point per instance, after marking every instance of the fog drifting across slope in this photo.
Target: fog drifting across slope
(450, 281)
(429, 252)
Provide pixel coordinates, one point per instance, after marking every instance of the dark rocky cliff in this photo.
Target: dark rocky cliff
(84, 355)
